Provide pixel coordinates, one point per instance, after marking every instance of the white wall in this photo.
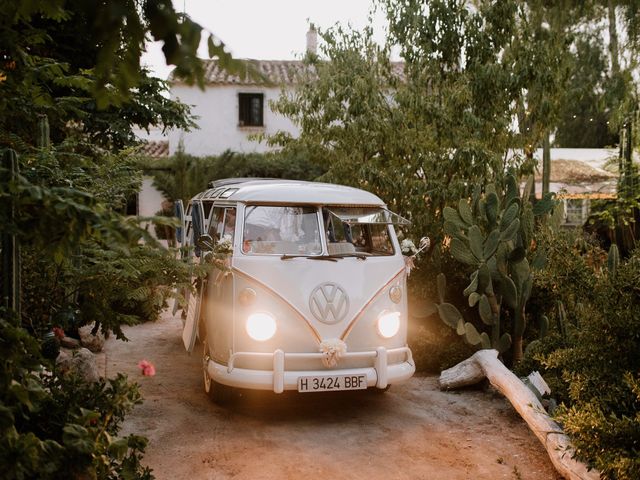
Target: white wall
(217, 109)
(149, 198)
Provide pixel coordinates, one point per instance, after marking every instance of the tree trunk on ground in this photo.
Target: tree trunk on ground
(485, 363)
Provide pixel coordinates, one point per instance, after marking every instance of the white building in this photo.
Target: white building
(232, 109)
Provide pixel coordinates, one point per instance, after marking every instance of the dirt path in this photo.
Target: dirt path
(413, 431)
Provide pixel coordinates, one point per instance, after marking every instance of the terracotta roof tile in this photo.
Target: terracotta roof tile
(277, 72)
(155, 149)
(575, 172)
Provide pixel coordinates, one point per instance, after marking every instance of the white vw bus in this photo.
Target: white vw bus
(311, 295)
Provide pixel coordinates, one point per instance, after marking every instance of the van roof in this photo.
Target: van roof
(252, 190)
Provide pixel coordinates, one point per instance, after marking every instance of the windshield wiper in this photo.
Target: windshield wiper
(334, 257)
(310, 257)
(359, 255)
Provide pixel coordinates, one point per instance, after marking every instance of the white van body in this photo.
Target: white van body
(318, 303)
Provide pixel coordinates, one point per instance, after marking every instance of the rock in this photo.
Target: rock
(80, 362)
(90, 341)
(69, 342)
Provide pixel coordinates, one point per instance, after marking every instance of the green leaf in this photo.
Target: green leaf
(475, 242)
(449, 314)
(473, 299)
(509, 215)
(465, 211)
(453, 230)
(528, 224)
(521, 272)
(452, 216)
(473, 286)
(510, 232)
(119, 448)
(492, 207)
(78, 439)
(491, 244)
(512, 190)
(484, 279)
(545, 205)
(485, 310)
(471, 334)
(485, 341)
(461, 252)
(509, 292)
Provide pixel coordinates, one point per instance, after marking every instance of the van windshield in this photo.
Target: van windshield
(286, 230)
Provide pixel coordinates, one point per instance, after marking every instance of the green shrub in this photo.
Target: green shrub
(182, 175)
(595, 368)
(54, 426)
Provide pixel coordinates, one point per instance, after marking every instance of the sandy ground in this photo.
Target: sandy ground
(413, 431)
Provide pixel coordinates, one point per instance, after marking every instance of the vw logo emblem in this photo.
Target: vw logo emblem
(329, 303)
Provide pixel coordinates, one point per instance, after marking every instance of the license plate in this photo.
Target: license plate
(332, 383)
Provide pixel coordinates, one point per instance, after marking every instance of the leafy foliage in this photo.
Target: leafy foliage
(77, 62)
(601, 368)
(422, 132)
(182, 176)
(52, 426)
(589, 357)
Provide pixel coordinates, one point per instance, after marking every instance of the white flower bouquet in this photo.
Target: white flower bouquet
(332, 349)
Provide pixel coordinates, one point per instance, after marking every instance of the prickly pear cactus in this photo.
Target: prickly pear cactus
(493, 234)
(613, 259)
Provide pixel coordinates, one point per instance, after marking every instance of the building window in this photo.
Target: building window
(576, 211)
(251, 109)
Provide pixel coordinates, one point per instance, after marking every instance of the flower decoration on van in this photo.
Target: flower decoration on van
(332, 349)
(220, 254)
(407, 247)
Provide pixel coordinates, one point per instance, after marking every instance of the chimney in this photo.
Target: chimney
(312, 40)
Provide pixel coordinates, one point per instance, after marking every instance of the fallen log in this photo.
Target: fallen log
(485, 364)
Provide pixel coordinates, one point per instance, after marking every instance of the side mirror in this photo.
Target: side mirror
(425, 243)
(204, 242)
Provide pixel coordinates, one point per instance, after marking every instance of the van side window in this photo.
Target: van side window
(215, 225)
(222, 223)
(229, 223)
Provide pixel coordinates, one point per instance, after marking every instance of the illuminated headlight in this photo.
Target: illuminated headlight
(388, 323)
(261, 326)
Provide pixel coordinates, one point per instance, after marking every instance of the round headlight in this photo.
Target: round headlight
(388, 324)
(261, 326)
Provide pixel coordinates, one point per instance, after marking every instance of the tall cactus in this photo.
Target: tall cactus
(11, 293)
(613, 259)
(43, 136)
(493, 234)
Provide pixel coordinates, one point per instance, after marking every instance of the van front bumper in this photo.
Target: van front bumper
(379, 375)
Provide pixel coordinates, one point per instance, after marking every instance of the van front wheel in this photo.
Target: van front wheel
(217, 392)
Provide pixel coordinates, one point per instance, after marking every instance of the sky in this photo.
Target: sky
(265, 29)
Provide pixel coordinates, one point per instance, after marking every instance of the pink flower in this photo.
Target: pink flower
(148, 370)
(58, 332)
